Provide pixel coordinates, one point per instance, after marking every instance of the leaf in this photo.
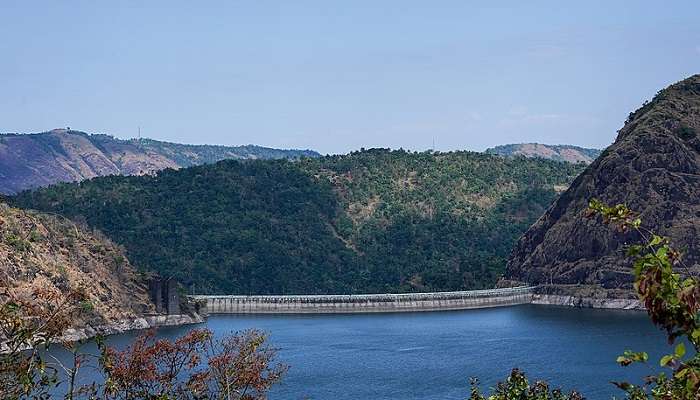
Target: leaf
(634, 250)
(624, 361)
(655, 240)
(680, 350)
(644, 356)
(661, 253)
(680, 374)
(696, 334)
(665, 360)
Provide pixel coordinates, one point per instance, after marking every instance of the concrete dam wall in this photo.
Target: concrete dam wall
(365, 303)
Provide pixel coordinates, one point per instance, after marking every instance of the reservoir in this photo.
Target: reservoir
(432, 355)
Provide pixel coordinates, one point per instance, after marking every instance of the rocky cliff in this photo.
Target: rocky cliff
(33, 160)
(654, 167)
(572, 154)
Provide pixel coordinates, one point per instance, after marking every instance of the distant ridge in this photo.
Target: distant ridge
(568, 153)
(34, 160)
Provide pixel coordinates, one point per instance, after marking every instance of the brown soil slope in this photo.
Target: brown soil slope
(654, 167)
(39, 251)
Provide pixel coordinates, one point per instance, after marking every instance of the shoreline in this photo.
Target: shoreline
(73, 335)
(572, 301)
(123, 326)
(388, 305)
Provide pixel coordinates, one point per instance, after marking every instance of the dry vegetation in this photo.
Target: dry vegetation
(47, 252)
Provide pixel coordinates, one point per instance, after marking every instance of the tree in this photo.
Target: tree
(195, 366)
(28, 325)
(240, 366)
(671, 294)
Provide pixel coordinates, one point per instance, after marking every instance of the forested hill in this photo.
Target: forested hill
(370, 221)
(41, 159)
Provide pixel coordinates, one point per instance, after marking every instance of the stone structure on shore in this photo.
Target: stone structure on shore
(163, 292)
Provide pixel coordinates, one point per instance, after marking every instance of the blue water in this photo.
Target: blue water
(431, 355)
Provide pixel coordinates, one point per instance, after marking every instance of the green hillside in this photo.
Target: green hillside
(370, 221)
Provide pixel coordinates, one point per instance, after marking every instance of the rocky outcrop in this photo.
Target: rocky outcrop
(653, 167)
(568, 153)
(33, 160)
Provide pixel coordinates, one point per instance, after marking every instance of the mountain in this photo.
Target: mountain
(573, 154)
(34, 160)
(370, 221)
(48, 252)
(653, 167)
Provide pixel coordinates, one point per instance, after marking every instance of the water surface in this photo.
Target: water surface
(431, 355)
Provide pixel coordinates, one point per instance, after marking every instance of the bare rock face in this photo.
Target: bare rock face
(654, 168)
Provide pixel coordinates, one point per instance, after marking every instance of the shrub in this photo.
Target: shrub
(240, 366)
(517, 387)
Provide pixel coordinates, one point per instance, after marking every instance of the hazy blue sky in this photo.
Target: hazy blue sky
(336, 76)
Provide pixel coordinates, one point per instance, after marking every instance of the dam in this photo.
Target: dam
(364, 303)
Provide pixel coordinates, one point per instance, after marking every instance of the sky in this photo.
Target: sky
(336, 76)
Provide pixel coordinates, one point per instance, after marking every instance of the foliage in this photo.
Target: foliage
(671, 294)
(517, 387)
(195, 366)
(370, 221)
(240, 367)
(236, 367)
(28, 326)
(18, 243)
